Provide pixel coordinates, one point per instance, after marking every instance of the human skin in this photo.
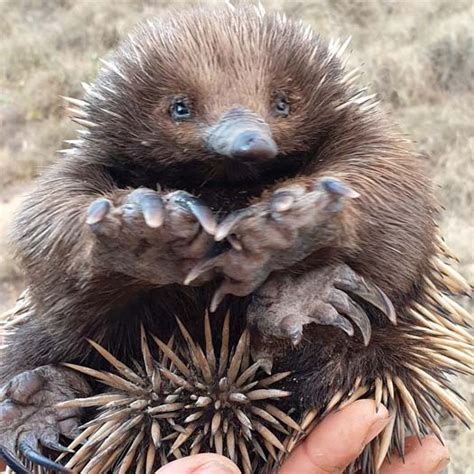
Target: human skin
(333, 445)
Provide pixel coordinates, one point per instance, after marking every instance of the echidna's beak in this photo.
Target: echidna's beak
(242, 135)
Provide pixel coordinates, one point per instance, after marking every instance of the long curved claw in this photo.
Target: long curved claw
(217, 298)
(204, 216)
(226, 226)
(333, 318)
(199, 269)
(56, 446)
(358, 316)
(12, 461)
(202, 213)
(342, 323)
(39, 459)
(370, 293)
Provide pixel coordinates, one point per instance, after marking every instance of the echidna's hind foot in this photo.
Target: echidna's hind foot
(29, 418)
(328, 295)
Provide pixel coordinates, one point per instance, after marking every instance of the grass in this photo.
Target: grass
(418, 56)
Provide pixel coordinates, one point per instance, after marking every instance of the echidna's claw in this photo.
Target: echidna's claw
(342, 323)
(97, 211)
(199, 269)
(12, 461)
(356, 314)
(371, 293)
(37, 458)
(284, 198)
(294, 330)
(337, 187)
(56, 446)
(285, 304)
(137, 231)
(226, 226)
(217, 298)
(151, 205)
(202, 213)
(29, 417)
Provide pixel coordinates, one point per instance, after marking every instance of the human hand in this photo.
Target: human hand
(333, 445)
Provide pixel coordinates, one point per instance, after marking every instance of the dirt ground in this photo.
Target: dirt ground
(417, 55)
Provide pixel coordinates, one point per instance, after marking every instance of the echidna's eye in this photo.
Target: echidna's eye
(282, 107)
(180, 110)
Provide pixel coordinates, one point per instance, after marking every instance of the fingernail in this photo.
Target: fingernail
(441, 466)
(381, 420)
(216, 467)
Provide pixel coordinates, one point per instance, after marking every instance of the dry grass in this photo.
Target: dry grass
(417, 54)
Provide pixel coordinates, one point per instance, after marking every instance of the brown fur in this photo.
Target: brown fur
(220, 60)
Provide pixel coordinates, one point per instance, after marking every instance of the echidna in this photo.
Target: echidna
(315, 221)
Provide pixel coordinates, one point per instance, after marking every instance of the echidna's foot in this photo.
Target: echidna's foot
(286, 303)
(139, 231)
(29, 418)
(275, 233)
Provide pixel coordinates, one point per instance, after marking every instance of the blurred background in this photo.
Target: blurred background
(417, 55)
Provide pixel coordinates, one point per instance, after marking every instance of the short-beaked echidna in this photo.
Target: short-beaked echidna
(315, 215)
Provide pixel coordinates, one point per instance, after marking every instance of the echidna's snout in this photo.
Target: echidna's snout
(243, 135)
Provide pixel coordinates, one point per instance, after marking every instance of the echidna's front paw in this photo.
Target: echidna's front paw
(275, 233)
(29, 419)
(286, 303)
(153, 236)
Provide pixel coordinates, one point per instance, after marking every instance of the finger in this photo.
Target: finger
(37, 458)
(204, 463)
(201, 212)
(338, 440)
(12, 461)
(430, 457)
(97, 210)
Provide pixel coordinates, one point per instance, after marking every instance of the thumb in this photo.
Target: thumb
(205, 463)
(337, 440)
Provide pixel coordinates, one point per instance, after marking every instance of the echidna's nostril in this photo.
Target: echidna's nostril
(254, 145)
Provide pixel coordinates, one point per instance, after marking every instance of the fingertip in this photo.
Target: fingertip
(427, 455)
(339, 438)
(204, 463)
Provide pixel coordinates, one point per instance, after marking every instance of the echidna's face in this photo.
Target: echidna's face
(237, 89)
